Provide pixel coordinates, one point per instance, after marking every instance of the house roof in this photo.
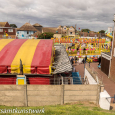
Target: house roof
(36, 34)
(51, 29)
(72, 27)
(60, 26)
(27, 27)
(62, 62)
(36, 24)
(2, 24)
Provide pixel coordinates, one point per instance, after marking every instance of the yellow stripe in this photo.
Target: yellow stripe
(25, 53)
(4, 42)
(52, 60)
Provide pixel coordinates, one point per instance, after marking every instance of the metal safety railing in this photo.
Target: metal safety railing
(112, 98)
(41, 80)
(95, 74)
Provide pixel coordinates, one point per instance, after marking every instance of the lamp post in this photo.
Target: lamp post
(61, 31)
(95, 36)
(113, 37)
(79, 31)
(84, 69)
(112, 48)
(67, 32)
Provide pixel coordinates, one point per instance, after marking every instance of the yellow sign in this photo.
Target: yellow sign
(20, 81)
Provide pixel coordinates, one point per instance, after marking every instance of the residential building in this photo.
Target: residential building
(67, 30)
(6, 31)
(38, 27)
(25, 31)
(57, 31)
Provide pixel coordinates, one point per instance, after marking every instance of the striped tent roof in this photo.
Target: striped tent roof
(36, 56)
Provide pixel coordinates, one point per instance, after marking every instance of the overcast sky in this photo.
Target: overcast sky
(92, 14)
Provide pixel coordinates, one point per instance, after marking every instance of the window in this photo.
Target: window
(17, 32)
(27, 32)
(70, 32)
(1, 30)
(70, 28)
(64, 28)
(10, 30)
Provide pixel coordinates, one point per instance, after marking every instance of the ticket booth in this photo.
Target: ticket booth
(21, 80)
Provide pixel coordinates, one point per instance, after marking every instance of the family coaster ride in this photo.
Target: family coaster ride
(84, 46)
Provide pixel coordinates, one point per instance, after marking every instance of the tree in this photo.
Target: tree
(13, 25)
(102, 31)
(85, 30)
(46, 35)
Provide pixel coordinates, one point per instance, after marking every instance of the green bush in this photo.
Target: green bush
(46, 35)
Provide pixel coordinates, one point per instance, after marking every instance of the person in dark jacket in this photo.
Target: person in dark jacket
(85, 58)
(72, 60)
(99, 60)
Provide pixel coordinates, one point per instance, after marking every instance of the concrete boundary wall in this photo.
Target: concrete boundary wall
(13, 95)
(39, 95)
(74, 93)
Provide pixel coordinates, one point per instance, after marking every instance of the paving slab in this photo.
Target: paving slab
(108, 83)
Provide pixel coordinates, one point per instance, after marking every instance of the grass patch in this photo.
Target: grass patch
(66, 109)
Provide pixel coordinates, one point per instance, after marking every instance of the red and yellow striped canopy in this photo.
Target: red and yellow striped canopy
(36, 55)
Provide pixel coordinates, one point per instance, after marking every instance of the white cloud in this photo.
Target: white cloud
(95, 15)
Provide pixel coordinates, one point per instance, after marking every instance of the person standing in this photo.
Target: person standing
(72, 60)
(85, 59)
(99, 60)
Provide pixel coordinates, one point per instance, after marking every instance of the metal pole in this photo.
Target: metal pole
(112, 48)
(84, 70)
(61, 31)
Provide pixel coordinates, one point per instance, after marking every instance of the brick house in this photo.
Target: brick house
(5, 28)
(67, 30)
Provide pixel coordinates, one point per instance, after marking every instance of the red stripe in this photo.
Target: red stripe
(38, 80)
(7, 79)
(8, 53)
(42, 57)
